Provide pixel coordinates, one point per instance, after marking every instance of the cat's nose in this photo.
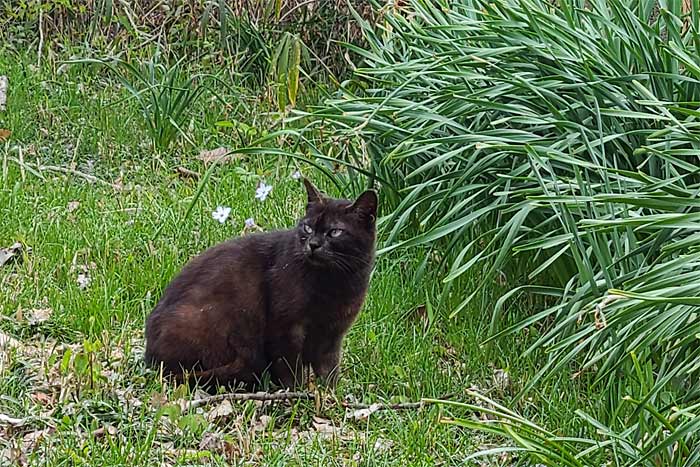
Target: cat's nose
(314, 243)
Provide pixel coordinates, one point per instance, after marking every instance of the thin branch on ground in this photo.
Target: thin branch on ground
(250, 396)
(401, 406)
(7, 420)
(54, 168)
(41, 37)
(188, 173)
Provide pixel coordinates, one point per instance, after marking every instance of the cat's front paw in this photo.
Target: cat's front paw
(284, 376)
(328, 374)
(330, 380)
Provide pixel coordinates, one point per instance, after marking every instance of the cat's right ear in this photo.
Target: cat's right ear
(312, 193)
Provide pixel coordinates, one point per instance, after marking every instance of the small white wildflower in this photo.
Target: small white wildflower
(263, 191)
(83, 280)
(249, 223)
(221, 213)
(296, 175)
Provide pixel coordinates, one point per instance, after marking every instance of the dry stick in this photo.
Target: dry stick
(187, 172)
(7, 420)
(250, 396)
(401, 406)
(88, 177)
(41, 36)
(21, 165)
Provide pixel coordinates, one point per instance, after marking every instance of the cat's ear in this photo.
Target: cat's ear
(312, 193)
(366, 205)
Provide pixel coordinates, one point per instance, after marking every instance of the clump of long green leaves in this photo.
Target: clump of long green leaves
(566, 133)
(667, 442)
(166, 94)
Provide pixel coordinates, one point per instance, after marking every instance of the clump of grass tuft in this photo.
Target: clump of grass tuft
(165, 94)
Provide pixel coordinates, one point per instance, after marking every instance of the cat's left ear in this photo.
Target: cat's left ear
(366, 205)
(312, 193)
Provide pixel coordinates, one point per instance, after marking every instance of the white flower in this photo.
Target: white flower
(249, 223)
(83, 280)
(296, 175)
(263, 191)
(221, 213)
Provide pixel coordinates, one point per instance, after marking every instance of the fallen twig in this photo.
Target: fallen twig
(88, 177)
(7, 420)
(38, 168)
(401, 406)
(185, 172)
(250, 396)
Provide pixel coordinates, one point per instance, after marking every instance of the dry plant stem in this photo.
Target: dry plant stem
(7, 420)
(188, 173)
(41, 36)
(250, 396)
(21, 165)
(88, 177)
(402, 406)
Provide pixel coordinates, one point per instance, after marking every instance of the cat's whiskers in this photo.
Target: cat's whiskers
(347, 263)
(354, 258)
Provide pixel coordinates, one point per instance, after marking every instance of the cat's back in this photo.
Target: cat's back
(214, 309)
(231, 267)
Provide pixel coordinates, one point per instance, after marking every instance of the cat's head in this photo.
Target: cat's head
(337, 233)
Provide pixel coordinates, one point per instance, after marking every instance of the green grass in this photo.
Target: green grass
(86, 358)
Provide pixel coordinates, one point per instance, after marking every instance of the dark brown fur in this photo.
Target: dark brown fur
(266, 302)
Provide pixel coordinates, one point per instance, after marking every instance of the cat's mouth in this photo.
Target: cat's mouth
(316, 258)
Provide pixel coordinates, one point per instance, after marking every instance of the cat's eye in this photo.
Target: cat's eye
(335, 232)
(308, 229)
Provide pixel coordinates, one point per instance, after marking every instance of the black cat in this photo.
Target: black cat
(276, 301)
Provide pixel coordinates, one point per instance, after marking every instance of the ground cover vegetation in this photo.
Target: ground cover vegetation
(535, 291)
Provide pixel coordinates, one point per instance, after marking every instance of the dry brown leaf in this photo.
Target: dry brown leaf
(363, 414)
(261, 423)
(325, 427)
(213, 155)
(214, 442)
(104, 430)
(223, 155)
(32, 440)
(42, 398)
(383, 445)
(224, 409)
(7, 343)
(500, 379)
(13, 252)
(4, 134)
(12, 456)
(158, 400)
(39, 315)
